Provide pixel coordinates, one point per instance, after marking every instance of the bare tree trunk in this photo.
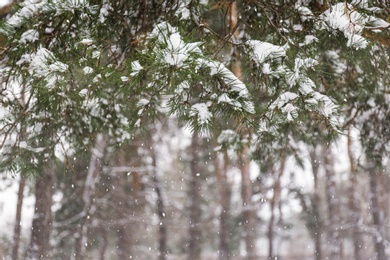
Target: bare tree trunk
(16, 237)
(124, 243)
(318, 231)
(41, 224)
(195, 235)
(162, 228)
(104, 244)
(333, 205)
(377, 214)
(224, 199)
(94, 170)
(249, 212)
(270, 232)
(274, 201)
(317, 224)
(354, 213)
(131, 198)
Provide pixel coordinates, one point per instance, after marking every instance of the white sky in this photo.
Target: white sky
(4, 3)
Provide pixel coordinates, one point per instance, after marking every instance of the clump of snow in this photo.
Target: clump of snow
(44, 64)
(283, 102)
(227, 136)
(217, 68)
(304, 12)
(143, 102)
(201, 111)
(124, 78)
(344, 18)
(135, 67)
(61, 6)
(322, 103)
(306, 85)
(260, 51)
(300, 64)
(29, 7)
(29, 36)
(224, 98)
(83, 92)
(97, 78)
(297, 27)
(308, 40)
(104, 11)
(86, 42)
(181, 87)
(87, 70)
(182, 11)
(95, 54)
(49, 30)
(175, 51)
(356, 41)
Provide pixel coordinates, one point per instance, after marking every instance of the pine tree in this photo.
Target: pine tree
(73, 70)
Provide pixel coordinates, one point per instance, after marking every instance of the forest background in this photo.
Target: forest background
(195, 129)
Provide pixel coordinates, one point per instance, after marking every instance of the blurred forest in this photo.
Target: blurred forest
(227, 147)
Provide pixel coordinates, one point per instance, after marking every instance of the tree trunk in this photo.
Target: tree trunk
(224, 200)
(124, 244)
(317, 245)
(270, 232)
(333, 205)
(248, 211)
(354, 213)
(162, 228)
(377, 214)
(130, 198)
(18, 218)
(104, 244)
(41, 224)
(316, 223)
(195, 235)
(273, 203)
(94, 170)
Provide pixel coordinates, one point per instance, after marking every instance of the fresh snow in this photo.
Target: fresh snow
(83, 92)
(202, 112)
(143, 102)
(283, 102)
(29, 36)
(217, 68)
(124, 78)
(4, 3)
(345, 19)
(135, 67)
(308, 40)
(104, 11)
(87, 70)
(263, 51)
(183, 12)
(300, 65)
(86, 41)
(304, 12)
(44, 64)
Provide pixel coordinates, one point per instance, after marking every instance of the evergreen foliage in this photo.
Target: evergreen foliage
(71, 69)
